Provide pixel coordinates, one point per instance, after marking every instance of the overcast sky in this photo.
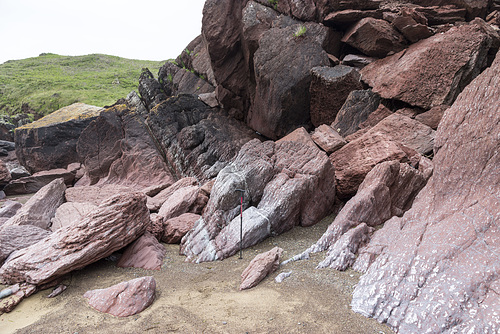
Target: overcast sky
(139, 29)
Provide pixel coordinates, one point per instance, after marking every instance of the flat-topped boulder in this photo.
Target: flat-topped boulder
(50, 142)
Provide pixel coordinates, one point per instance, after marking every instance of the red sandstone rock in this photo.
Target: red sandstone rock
(156, 226)
(327, 139)
(301, 136)
(41, 207)
(176, 228)
(412, 24)
(444, 62)
(330, 87)
(124, 299)
(432, 117)
(9, 208)
(181, 201)
(288, 183)
(438, 264)
(13, 238)
(157, 201)
(406, 131)
(261, 266)
(95, 194)
(388, 190)
(146, 252)
(376, 38)
(353, 161)
(113, 225)
(31, 184)
(70, 213)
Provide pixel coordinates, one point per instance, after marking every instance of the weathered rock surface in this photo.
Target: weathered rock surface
(261, 266)
(50, 142)
(432, 117)
(357, 61)
(9, 208)
(196, 140)
(117, 148)
(94, 194)
(327, 139)
(124, 299)
(375, 38)
(31, 184)
(412, 24)
(387, 190)
(282, 98)
(348, 17)
(157, 201)
(181, 201)
(195, 57)
(353, 161)
(5, 176)
(299, 135)
(177, 227)
(330, 87)
(439, 269)
(151, 91)
(446, 63)
(13, 238)
(22, 291)
(357, 107)
(41, 207)
(406, 131)
(113, 225)
(71, 213)
(180, 80)
(286, 184)
(146, 252)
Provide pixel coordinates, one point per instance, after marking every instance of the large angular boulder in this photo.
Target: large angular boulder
(41, 207)
(285, 184)
(438, 271)
(50, 142)
(412, 24)
(330, 87)
(353, 161)
(432, 117)
(282, 99)
(327, 139)
(124, 299)
(117, 148)
(446, 63)
(260, 267)
(159, 199)
(9, 208)
(221, 29)
(146, 252)
(177, 227)
(31, 184)
(356, 109)
(182, 201)
(13, 238)
(194, 139)
(114, 224)
(407, 131)
(375, 38)
(388, 190)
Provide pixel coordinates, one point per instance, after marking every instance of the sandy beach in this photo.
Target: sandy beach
(205, 298)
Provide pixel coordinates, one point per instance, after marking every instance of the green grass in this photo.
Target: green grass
(49, 82)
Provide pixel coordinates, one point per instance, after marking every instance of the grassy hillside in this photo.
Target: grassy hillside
(49, 81)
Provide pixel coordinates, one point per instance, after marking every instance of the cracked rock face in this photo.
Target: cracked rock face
(285, 184)
(438, 268)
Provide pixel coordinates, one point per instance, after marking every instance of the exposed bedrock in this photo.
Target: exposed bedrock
(285, 184)
(438, 270)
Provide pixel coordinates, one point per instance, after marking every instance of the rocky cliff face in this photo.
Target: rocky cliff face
(280, 110)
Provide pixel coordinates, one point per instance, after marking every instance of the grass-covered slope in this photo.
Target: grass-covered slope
(49, 82)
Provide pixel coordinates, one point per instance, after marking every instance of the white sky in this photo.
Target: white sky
(140, 29)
